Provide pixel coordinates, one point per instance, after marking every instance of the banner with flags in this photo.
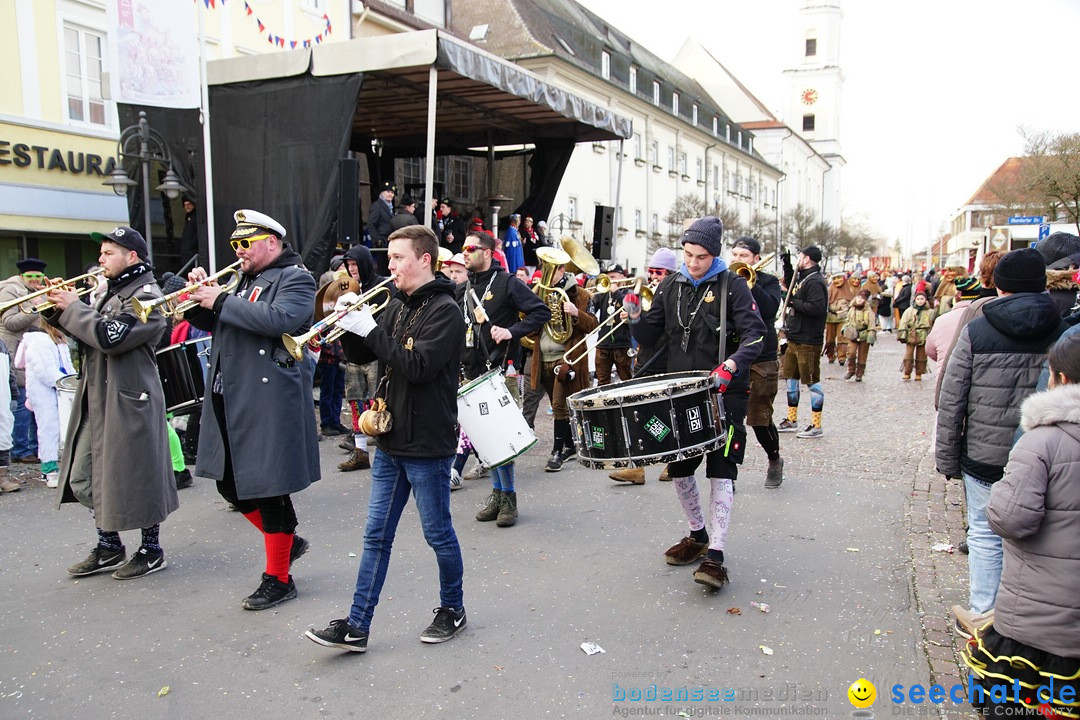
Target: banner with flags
(279, 41)
(153, 53)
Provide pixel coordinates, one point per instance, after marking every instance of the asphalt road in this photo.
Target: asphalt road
(828, 553)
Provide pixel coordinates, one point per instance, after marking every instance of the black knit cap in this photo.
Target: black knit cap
(708, 232)
(1058, 246)
(1022, 270)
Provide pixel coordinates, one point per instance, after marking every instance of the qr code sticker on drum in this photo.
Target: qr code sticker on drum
(597, 437)
(693, 418)
(504, 401)
(484, 410)
(656, 427)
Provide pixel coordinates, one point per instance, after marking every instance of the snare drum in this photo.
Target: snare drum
(650, 420)
(492, 420)
(183, 368)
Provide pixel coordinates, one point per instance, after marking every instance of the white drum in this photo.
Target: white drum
(65, 401)
(492, 420)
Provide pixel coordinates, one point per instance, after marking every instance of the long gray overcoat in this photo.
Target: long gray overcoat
(269, 411)
(115, 445)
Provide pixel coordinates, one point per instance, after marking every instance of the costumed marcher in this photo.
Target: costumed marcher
(901, 298)
(254, 380)
(651, 360)
(417, 341)
(860, 329)
(804, 328)
(515, 256)
(498, 311)
(914, 328)
(765, 372)
(530, 241)
(15, 323)
(612, 350)
(712, 323)
(45, 358)
(841, 293)
(1029, 642)
(116, 453)
(994, 366)
(945, 292)
(885, 308)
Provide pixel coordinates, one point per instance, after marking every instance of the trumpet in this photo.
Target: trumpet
(48, 304)
(646, 302)
(605, 284)
(175, 303)
(326, 330)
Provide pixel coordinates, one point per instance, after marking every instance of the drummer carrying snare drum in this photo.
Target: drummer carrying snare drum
(690, 306)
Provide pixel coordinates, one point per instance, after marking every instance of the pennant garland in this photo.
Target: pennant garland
(278, 40)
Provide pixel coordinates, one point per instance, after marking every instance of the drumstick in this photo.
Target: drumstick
(478, 311)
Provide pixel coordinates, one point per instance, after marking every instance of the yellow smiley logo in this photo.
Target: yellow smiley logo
(862, 693)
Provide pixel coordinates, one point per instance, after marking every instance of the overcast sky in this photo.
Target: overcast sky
(934, 89)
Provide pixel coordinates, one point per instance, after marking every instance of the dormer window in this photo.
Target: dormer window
(605, 64)
(675, 103)
(693, 115)
(633, 80)
(656, 93)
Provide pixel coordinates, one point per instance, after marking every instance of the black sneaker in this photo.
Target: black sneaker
(331, 430)
(447, 623)
(183, 479)
(299, 547)
(340, 635)
(272, 592)
(141, 563)
(100, 560)
(554, 463)
(568, 453)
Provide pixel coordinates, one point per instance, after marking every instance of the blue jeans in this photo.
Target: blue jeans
(392, 477)
(984, 548)
(24, 434)
(331, 392)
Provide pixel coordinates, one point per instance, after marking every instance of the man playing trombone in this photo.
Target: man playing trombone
(258, 437)
(615, 348)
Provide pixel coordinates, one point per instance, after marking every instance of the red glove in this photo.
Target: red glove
(631, 304)
(720, 378)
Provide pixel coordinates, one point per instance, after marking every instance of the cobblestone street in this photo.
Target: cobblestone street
(841, 555)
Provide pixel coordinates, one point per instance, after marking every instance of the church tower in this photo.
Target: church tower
(812, 105)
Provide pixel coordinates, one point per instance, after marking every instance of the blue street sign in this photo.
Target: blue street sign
(1026, 219)
(1044, 231)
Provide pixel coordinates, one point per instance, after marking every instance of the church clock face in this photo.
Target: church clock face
(809, 96)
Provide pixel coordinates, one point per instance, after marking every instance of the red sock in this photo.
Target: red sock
(278, 548)
(255, 518)
(355, 413)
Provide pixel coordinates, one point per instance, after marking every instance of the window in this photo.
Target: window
(84, 63)
(753, 189)
(675, 103)
(654, 152)
(638, 149)
(808, 123)
(811, 47)
(700, 170)
(738, 183)
(571, 207)
(654, 224)
(728, 133)
(434, 11)
(671, 158)
(605, 64)
(750, 145)
(656, 93)
(682, 163)
(633, 80)
(740, 138)
(715, 126)
(716, 176)
(461, 178)
(412, 170)
(693, 115)
(637, 220)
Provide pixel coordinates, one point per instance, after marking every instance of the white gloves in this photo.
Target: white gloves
(345, 301)
(359, 322)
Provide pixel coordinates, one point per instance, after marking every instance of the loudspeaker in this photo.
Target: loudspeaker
(348, 202)
(603, 232)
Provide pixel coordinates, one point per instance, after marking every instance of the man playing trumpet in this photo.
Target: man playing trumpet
(258, 437)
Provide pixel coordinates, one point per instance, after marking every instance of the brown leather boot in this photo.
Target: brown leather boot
(630, 475)
(908, 364)
(8, 485)
(664, 475)
(357, 461)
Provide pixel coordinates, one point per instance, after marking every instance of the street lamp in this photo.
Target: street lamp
(142, 142)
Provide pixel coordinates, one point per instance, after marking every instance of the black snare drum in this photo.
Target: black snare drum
(183, 368)
(650, 420)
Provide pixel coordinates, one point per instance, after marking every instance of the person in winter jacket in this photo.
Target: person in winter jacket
(994, 366)
(841, 293)
(860, 329)
(915, 325)
(45, 358)
(804, 328)
(1033, 635)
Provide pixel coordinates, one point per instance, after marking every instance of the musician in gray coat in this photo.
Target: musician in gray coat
(116, 455)
(258, 438)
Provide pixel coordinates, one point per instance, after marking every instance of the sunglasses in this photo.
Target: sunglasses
(34, 276)
(245, 243)
(472, 248)
(655, 271)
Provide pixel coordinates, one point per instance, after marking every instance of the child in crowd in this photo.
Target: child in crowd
(914, 327)
(860, 330)
(46, 358)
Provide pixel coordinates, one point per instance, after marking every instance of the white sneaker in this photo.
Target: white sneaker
(455, 480)
(52, 479)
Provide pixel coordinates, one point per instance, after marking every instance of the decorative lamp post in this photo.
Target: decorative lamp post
(147, 145)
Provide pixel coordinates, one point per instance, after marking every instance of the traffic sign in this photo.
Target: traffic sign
(1044, 231)
(1026, 219)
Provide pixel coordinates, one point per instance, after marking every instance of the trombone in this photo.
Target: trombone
(604, 284)
(175, 303)
(749, 272)
(646, 295)
(48, 304)
(326, 330)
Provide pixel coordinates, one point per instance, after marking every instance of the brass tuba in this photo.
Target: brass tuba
(559, 327)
